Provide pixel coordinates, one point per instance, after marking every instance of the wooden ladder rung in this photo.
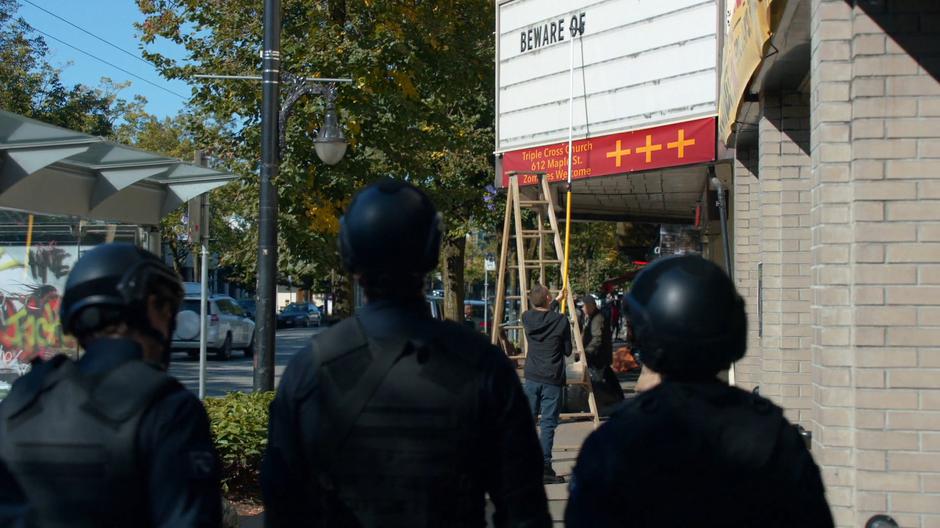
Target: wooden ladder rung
(537, 264)
(532, 203)
(534, 233)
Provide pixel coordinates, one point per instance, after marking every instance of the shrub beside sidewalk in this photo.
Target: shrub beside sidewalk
(239, 424)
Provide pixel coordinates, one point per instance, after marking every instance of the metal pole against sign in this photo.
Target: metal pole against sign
(564, 305)
(267, 213)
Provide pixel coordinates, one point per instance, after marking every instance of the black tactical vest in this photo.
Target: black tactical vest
(69, 439)
(396, 442)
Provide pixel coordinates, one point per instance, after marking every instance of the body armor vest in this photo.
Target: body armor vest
(404, 455)
(69, 439)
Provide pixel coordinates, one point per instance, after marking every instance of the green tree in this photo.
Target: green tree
(601, 251)
(32, 87)
(420, 109)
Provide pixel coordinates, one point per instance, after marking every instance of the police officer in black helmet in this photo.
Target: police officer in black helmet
(392, 418)
(692, 451)
(110, 439)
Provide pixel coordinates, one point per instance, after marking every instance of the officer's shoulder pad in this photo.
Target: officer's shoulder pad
(462, 341)
(759, 404)
(337, 340)
(28, 386)
(648, 402)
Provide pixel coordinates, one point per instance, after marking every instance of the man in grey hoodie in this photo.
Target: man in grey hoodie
(549, 337)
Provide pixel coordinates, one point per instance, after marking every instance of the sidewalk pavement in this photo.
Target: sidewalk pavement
(569, 436)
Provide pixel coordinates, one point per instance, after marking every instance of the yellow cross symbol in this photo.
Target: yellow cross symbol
(649, 148)
(618, 153)
(680, 143)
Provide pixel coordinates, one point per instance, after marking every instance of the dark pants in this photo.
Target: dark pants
(607, 391)
(547, 399)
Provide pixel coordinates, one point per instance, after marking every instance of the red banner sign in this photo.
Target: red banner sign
(652, 148)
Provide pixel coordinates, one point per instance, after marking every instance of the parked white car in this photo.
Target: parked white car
(228, 327)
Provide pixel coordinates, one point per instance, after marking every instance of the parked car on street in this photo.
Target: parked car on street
(299, 315)
(249, 306)
(228, 327)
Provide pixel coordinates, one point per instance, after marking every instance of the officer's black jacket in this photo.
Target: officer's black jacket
(506, 460)
(174, 446)
(703, 455)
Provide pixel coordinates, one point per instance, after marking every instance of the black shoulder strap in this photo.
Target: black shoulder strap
(344, 408)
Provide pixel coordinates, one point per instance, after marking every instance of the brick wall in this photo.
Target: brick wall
(834, 415)
(785, 179)
(876, 258)
(897, 214)
(746, 237)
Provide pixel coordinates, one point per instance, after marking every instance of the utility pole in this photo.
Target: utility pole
(267, 213)
(489, 264)
(203, 221)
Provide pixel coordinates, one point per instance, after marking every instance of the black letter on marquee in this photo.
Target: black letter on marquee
(561, 29)
(522, 44)
(529, 38)
(554, 30)
(577, 25)
(538, 36)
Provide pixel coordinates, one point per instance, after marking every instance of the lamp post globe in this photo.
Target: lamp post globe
(330, 143)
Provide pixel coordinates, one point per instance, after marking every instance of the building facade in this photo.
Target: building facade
(833, 140)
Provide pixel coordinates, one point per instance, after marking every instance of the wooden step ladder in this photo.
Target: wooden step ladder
(538, 200)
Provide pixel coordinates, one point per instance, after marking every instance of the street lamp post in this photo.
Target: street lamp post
(330, 145)
(267, 211)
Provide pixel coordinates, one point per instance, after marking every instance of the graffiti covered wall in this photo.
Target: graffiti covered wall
(31, 283)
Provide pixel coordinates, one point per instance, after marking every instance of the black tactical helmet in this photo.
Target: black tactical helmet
(688, 319)
(110, 284)
(391, 227)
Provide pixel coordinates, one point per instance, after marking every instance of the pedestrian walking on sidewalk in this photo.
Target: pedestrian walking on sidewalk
(392, 418)
(110, 439)
(548, 334)
(690, 450)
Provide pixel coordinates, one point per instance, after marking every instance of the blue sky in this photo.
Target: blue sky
(112, 20)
